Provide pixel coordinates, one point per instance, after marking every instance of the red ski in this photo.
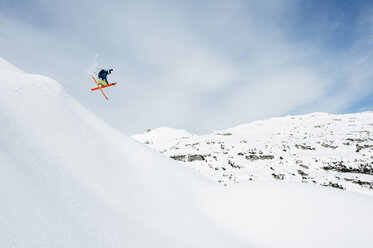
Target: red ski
(99, 87)
(104, 86)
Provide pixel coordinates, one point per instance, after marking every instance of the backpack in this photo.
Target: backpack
(102, 73)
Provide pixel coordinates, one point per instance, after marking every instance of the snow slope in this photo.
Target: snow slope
(67, 179)
(319, 148)
(70, 180)
(6, 66)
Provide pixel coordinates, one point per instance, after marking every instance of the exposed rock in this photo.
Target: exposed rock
(263, 157)
(303, 166)
(224, 134)
(340, 167)
(302, 173)
(359, 147)
(364, 183)
(355, 140)
(233, 165)
(333, 185)
(252, 157)
(278, 176)
(179, 157)
(196, 157)
(361, 183)
(304, 147)
(329, 146)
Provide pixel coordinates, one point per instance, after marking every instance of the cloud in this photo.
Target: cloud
(198, 65)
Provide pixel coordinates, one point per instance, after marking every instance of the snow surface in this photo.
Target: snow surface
(67, 179)
(319, 148)
(6, 66)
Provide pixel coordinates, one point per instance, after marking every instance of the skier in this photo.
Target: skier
(102, 80)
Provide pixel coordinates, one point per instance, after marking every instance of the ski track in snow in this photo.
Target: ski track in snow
(67, 179)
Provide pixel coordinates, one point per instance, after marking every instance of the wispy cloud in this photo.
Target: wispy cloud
(198, 65)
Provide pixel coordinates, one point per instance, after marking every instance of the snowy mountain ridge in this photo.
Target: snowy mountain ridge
(318, 148)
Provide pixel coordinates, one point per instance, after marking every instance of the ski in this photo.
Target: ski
(104, 86)
(100, 88)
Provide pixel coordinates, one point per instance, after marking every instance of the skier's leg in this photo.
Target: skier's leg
(101, 82)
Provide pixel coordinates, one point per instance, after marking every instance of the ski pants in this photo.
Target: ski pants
(103, 81)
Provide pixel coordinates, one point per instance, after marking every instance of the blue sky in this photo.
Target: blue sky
(198, 65)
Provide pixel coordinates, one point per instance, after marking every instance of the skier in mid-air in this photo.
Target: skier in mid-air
(102, 80)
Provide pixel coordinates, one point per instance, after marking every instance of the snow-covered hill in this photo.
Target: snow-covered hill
(319, 148)
(67, 179)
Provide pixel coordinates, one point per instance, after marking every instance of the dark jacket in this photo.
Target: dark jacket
(103, 74)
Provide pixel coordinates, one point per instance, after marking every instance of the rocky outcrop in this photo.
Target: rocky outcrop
(196, 157)
(340, 167)
(304, 147)
(315, 148)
